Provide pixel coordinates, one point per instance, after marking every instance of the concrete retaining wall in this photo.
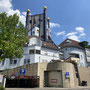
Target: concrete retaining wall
(37, 69)
(84, 74)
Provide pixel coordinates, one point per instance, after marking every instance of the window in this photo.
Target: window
(28, 61)
(24, 61)
(2, 62)
(81, 57)
(39, 25)
(33, 31)
(74, 55)
(31, 51)
(68, 42)
(37, 31)
(34, 51)
(37, 51)
(15, 62)
(30, 21)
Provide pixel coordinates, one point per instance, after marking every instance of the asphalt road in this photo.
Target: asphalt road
(78, 88)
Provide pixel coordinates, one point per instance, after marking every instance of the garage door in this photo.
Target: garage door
(22, 82)
(55, 78)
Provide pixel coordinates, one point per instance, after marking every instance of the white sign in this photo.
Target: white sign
(54, 80)
(12, 77)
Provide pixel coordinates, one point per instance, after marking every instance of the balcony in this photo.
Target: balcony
(73, 59)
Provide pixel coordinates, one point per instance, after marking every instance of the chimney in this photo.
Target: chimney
(44, 23)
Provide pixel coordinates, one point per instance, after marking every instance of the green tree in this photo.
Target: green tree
(12, 36)
(84, 44)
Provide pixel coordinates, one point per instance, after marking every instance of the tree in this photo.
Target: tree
(12, 36)
(84, 44)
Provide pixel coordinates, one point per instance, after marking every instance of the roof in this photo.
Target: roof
(72, 43)
(48, 44)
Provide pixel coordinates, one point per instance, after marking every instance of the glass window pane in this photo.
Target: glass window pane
(15, 61)
(31, 51)
(38, 51)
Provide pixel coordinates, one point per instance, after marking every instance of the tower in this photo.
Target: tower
(48, 28)
(37, 25)
(44, 23)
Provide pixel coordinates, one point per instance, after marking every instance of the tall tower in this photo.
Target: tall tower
(37, 24)
(48, 29)
(27, 18)
(44, 23)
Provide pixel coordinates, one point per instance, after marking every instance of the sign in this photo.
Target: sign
(67, 74)
(12, 77)
(1, 78)
(25, 77)
(22, 71)
(12, 74)
(15, 74)
(54, 80)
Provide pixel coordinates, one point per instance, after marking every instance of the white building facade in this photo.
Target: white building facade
(71, 48)
(87, 52)
(40, 47)
(35, 51)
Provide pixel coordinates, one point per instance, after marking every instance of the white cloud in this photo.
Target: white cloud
(54, 25)
(60, 33)
(74, 37)
(80, 29)
(71, 33)
(23, 19)
(82, 35)
(77, 34)
(6, 6)
(24, 13)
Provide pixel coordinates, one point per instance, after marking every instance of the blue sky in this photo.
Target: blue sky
(69, 18)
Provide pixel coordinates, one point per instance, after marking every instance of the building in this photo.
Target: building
(87, 52)
(43, 63)
(72, 48)
(40, 47)
(52, 74)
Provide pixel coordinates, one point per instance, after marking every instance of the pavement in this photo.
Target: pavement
(77, 88)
